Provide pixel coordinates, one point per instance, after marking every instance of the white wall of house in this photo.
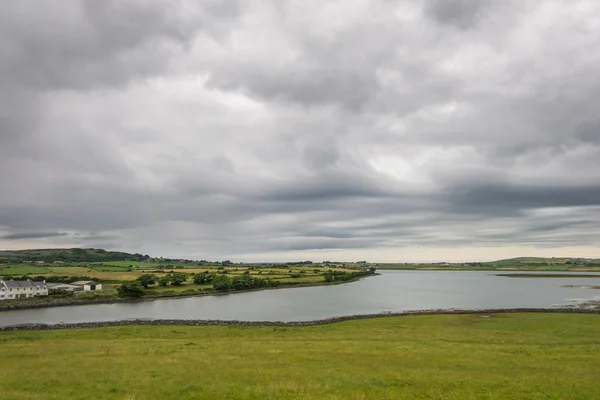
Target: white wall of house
(25, 291)
(97, 286)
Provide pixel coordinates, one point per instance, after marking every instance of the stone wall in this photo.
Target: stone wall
(293, 323)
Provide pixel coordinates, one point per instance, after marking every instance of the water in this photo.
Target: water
(391, 291)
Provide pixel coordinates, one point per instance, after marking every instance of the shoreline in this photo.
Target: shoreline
(325, 321)
(85, 302)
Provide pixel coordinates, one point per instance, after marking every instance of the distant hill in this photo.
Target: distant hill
(67, 255)
(543, 260)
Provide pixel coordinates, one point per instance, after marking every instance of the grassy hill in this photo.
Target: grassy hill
(516, 263)
(537, 260)
(67, 255)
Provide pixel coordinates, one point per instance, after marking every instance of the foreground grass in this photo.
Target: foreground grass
(508, 356)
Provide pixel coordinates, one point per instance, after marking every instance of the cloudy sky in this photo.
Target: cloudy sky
(285, 130)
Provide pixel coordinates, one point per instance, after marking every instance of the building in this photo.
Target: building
(63, 287)
(88, 285)
(11, 290)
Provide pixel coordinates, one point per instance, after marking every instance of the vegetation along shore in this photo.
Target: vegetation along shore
(126, 276)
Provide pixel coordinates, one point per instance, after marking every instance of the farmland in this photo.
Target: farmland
(113, 274)
(505, 356)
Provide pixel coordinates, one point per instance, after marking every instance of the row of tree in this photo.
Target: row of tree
(222, 282)
(174, 279)
(339, 276)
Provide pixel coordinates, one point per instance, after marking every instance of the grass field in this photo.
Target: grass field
(22, 269)
(116, 271)
(126, 264)
(507, 356)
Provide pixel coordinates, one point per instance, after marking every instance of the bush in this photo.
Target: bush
(178, 278)
(242, 282)
(147, 280)
(221, 282)
(164, 281)
(203, 278)
(131, 289)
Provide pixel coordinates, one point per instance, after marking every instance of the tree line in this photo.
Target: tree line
(222, 282)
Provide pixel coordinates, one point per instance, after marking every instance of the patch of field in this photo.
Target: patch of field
(188, 287)
(127, 263)
(509, 356)
(190, 270)
(96, 274)
(108, 268)
(307, 278)
(22, 269)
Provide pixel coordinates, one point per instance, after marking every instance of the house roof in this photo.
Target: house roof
(62, 285)
(84, 283)
(21, 284)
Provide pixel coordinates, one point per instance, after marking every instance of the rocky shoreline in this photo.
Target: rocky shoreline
(37, 327)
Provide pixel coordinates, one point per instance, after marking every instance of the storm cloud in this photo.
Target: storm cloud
(285, 130)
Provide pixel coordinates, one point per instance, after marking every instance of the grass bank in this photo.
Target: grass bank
(505, 356)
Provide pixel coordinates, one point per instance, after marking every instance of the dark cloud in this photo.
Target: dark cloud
(278, 130)
(514, 198)
(32, 235)
(86, 44)
(461, 13)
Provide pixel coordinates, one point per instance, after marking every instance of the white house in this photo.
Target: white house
(10, 290)
(88, 285)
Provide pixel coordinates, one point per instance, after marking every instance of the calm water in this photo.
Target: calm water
(390, 291)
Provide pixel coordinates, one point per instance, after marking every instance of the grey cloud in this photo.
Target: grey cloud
(84, 44)
(490, 199)
(216, 129)
(460, 13)
(32, 235)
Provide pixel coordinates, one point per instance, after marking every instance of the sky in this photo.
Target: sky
(284, 130)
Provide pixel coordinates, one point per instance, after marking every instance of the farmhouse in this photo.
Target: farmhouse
(88, 285)
(10, 290)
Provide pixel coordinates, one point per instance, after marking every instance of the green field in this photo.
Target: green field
(22, 269)
(126, 264)
(506, 356)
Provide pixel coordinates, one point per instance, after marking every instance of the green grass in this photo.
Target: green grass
(188, 288)
(22, 269)
(108, 268)
(507, 356)
(126, 264)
